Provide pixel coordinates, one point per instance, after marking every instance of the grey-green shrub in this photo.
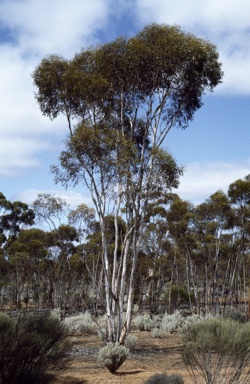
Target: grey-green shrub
(30, 348)
(164, 379)
(144, 322)
(79, 324)
(174, 322)
(236, 316)
(113, 355)
(130, 342)
(102, 334)
(175, 379)
(218, 350)
(158, 378)
(171, 323)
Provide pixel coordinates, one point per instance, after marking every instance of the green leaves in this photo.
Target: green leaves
(50, 78)
(160, 61)
(13, 217)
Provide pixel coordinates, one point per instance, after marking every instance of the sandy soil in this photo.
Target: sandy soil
(149, 357)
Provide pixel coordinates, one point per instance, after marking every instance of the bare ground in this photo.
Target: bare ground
(150, 356)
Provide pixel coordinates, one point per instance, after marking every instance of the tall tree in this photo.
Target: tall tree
(212, 220)
(28, 263)
(239, 194)
(14, 216)
(126, 95)
(157, 246)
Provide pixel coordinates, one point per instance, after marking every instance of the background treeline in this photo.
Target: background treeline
(191, 256)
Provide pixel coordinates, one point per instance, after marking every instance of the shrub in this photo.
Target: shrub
(56, 312)
(144, 323)
(113, 355)
(218, 349)
(102, 334)
(80, 324)
(175, 379)
(135, 309)
(157, 333)
(177, 295)
(130, 342)
(157, 379)
(236, 316)
(168, 324)
(164, 379)
(171, 323)
(30, 347)
(175, 322)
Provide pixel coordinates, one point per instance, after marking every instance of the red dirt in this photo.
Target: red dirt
(149, 357)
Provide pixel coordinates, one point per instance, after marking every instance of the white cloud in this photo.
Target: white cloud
(30, 30)
(216, 16)
(18, 154)
(58, 26)
(224, 23)
(73, 198)
(202, 180)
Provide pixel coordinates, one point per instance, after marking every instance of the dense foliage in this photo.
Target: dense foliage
(218, 350)
(30, 347)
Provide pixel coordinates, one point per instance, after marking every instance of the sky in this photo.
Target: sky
(214, 150)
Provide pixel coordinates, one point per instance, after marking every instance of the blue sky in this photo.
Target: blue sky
(214, 149)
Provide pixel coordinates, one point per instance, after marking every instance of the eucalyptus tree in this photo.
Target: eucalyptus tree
(83, 219)
(239, 195)
(52, 212)
(121, 99)
(158, 262)
(28, 266)
(213, 237)
(180, 218)
(14, 216)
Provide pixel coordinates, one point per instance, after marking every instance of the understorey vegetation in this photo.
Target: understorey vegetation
(214, 349)
(31, 348)
(218, 351)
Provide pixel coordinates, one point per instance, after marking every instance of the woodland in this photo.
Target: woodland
(139, 243)
(194, 257)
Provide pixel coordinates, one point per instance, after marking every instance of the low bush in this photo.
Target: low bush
(80, 324)
(177, 295)
(236, 316)
(175, 379)
(164, 379)
(30, 348)
(175, 322)
(171, 323)
(130, 342)
(144, 322)
(102, 334)
(218, 350)
(113, 355)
